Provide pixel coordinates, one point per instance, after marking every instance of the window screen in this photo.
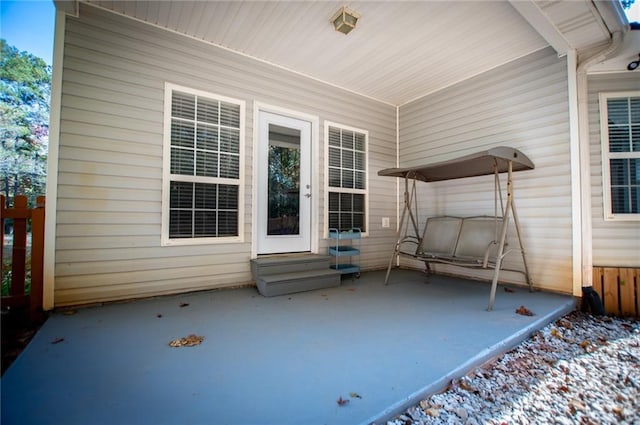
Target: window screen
(347, 171)
(621, 154)
(204, 167)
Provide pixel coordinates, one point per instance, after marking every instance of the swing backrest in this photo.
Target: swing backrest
(468, 238)
(440, 236)
(478, 234)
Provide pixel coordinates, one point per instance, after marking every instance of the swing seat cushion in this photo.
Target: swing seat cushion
(464, 241)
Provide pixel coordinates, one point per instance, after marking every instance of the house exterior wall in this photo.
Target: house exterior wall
(615, 243)
(108, 225)
(523, 104)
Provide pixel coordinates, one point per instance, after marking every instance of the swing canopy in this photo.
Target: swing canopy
(476, 164)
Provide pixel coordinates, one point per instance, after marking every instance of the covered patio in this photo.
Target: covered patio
(279, 360)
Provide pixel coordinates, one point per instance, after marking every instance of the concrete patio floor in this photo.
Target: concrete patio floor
(281, 360)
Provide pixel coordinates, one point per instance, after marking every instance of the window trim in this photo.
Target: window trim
(328, 188)
(606, 156)
(169, 88)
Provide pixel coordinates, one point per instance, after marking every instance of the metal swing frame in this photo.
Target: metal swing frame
(493, 161)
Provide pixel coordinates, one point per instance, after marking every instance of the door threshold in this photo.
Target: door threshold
(287, 254)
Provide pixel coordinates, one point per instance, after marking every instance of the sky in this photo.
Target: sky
(29, 25)
(633, 14)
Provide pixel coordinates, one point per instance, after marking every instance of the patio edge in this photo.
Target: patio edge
(482, 357)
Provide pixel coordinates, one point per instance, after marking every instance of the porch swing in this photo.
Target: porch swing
(472, 242)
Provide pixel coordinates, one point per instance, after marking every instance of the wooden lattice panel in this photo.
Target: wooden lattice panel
(619, 289)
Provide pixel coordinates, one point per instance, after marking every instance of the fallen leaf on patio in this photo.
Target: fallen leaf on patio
(355, 395)
(509, 290)
(556, 333)
(341, 401)
(522, 310)
(184, 305)
(158, 315)
(57, 340)
(575, 405)
(432, 411)
(565, 324)
(617, 410)
(188, 341)
(463, 384)
(584, 344)
(69, 312)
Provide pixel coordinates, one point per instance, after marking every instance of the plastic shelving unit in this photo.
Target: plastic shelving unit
(351, 250)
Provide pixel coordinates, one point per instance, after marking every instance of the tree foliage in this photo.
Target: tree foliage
(25, 91)
(284, 190)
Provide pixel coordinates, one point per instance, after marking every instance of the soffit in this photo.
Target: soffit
(628, 52)
(578, 21)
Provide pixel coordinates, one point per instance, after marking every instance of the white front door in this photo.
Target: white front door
(284, 184)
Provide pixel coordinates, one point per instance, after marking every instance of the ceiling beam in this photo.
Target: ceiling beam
(541, 23)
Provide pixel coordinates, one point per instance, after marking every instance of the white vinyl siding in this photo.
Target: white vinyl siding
(347, 177)
(523, 105)
(203, 157)
(110, 187)
(615, 242)
(620, 120)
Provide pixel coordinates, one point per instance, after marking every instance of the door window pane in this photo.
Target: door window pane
(284, 181)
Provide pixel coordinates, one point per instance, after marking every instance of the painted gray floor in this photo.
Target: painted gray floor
(282, 360)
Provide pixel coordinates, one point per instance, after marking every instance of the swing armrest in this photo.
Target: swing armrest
(487, 253)
(410, 250)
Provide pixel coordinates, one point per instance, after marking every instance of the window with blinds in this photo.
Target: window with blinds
(347, 177)
(620, 122)
(203, 179)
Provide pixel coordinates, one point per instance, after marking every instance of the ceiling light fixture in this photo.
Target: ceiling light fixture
(344, 20)
(633, 65)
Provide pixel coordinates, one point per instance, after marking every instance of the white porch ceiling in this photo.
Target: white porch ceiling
(399, 51)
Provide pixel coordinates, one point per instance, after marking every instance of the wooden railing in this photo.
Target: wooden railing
(619, 289)
(26, 260)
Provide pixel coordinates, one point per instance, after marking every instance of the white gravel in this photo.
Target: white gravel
(581, 369)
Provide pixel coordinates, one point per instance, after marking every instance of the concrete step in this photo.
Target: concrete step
(278, 264)
(299, 281)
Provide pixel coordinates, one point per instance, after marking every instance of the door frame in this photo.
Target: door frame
(316, 188)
